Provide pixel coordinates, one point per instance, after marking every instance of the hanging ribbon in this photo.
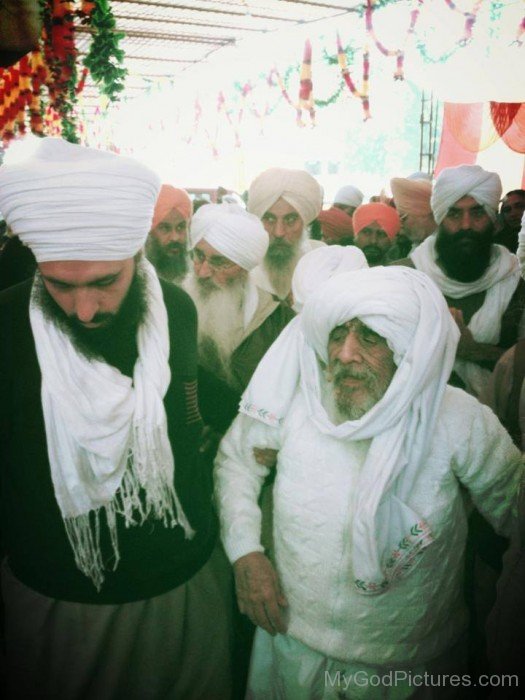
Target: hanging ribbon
(470, 19)
(398, 53)
(345, 72)
(306, 99)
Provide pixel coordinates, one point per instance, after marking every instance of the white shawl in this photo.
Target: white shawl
(107, 434)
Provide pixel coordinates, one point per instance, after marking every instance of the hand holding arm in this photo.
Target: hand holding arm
(259, 592)
(468, 348)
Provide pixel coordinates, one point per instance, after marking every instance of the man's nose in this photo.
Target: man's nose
(86, 304)
(177, 236)
(204, 270)
(465, 220)
(350, 350)
(279, 230)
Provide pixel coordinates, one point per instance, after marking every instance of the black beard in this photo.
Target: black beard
(107, 341)
(280, 253)
(464, 256)
(172, 268)
(374, 254)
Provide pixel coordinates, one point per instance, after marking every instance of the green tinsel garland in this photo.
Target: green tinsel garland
(104, 59)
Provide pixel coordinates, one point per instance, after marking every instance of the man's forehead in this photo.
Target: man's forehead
(466, 202)
(514, 197)
(281, 208)
(81, 271)
(373, 227)
(352, 325)
(172, 217)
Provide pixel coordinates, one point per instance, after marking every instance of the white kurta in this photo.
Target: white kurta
(422, 615)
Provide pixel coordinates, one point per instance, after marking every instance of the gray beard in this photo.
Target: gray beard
(280, 276)
(220, 312)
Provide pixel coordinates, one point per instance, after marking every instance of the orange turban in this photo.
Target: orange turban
(412, 196)
(171, 198)
(386, 216)
(336, 223)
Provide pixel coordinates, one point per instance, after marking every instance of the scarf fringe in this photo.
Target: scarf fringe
(147, 489)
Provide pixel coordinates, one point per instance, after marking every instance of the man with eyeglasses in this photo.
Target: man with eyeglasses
(167, 245)
(237, 321)
(286, 201)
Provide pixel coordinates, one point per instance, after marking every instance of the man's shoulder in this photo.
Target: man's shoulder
(405, 262)
(462, 415)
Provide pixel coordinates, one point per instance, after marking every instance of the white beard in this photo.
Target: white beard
(221, 322)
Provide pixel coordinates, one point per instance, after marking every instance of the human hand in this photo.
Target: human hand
(259, 593)
(209, 440)
(466, 340)
(265, 456)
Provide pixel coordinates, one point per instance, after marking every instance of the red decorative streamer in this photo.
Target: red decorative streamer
(345, 72)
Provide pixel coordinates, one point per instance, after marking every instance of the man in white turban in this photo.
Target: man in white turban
(369, 512)
(348, 198)
(286, 201)
(480, 280)
(237, 320)
(112, 584)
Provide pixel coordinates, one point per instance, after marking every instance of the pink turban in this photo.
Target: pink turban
(386, 216)
(412, 196)
(336, 223)
(171, 198)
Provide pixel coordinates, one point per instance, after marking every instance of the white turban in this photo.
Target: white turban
(231, 230)
(349, 195)
(465, 180)
(320, 265)
(68, 202)
(297, 187)
(406, 308)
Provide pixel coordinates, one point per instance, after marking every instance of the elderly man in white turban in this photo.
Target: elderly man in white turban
(369, 511)
(480, 280)
(286, 201)
(112, 583)
(237, 320)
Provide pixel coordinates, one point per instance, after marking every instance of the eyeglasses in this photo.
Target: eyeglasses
(216, 262)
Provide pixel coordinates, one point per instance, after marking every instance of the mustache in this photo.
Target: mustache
(280, 243)
(100, 317)
(174, 245)
(342, 372)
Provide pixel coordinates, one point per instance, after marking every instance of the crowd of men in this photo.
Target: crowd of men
(206, 405)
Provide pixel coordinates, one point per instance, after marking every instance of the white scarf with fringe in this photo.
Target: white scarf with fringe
(107, 436)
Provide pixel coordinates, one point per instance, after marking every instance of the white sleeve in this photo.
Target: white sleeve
(489, 464)
(238, 482)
